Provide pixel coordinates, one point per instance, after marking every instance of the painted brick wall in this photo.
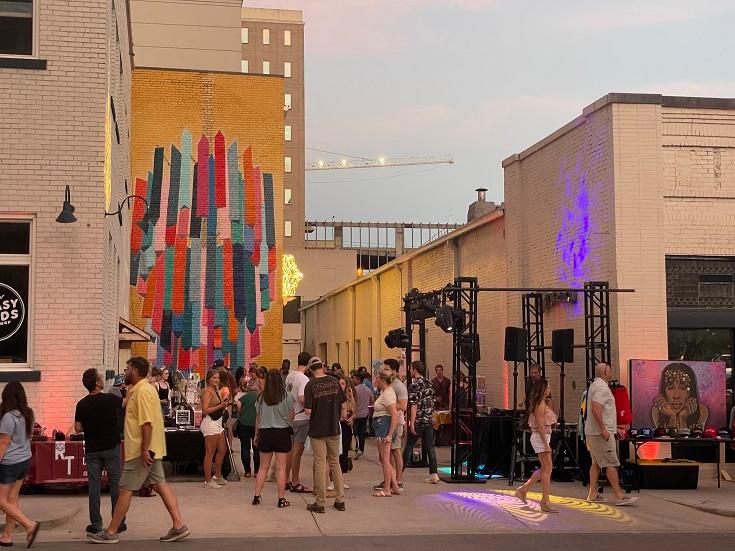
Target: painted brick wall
(244, 107)
(52, 134)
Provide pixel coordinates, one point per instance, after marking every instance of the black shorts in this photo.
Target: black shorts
(10, 474)
(274, 440)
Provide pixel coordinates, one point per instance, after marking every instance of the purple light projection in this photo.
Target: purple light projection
(573, 241)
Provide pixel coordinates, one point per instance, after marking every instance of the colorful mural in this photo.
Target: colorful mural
(203, 256)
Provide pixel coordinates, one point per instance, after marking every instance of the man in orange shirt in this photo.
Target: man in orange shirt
(145, 447)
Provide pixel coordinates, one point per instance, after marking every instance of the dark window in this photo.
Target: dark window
(291, 313)
(700, 283)
(16, 27)
(709, 345)
(15, 238)
(13, 314)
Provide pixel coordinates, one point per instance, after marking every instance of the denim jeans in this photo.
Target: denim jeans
(108, 460)
(427, 441)
(360, 429)
(246, 434)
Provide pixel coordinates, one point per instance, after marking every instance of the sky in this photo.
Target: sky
(480, 80)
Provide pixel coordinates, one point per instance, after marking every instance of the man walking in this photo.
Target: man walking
(421, 418)
(325, 403)
(145, 447)
(98, 417)
(295, 385)
(599, 429)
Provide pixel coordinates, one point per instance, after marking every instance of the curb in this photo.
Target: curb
(707, 509)
(55, 522)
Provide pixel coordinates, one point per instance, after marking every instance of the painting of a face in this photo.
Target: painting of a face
(677, 392)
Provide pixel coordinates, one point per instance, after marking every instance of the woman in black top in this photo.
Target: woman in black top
(163, 390)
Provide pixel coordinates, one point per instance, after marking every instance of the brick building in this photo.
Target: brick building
(634, 191)
(206, 258)
(65, 72)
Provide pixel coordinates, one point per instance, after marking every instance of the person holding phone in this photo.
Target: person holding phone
(213, 408)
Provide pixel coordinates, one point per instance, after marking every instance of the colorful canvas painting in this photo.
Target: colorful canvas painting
(203, 254)
(677, 393)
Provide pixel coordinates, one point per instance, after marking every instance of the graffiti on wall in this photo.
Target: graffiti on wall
(203, 255)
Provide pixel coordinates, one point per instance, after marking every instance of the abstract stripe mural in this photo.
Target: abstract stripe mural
(203, 256)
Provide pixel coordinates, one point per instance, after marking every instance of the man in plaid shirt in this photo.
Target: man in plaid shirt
(421, 418)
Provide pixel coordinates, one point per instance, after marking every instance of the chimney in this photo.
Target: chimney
(481, 206)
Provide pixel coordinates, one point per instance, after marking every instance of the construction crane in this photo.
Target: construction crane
(379, 163)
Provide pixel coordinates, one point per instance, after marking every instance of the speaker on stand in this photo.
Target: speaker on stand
(516, 343)
(562, 352)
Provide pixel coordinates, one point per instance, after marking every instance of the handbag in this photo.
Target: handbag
(216, 415)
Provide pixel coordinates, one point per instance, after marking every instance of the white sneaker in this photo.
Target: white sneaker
(346, 486)
(220, 481)
(212, 485)
(625, 501)
(358, 454)
(330, 487)
(433, 479)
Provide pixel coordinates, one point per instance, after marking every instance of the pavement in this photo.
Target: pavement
(434, 511)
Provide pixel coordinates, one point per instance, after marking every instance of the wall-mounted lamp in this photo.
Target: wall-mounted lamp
(118, 212)
(66, 216)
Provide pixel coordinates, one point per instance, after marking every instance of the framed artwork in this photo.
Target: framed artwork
(677, 393)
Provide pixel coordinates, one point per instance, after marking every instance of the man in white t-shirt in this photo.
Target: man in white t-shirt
(600, 428)
(295, 384)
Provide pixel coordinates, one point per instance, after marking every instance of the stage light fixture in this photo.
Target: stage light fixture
(396, 338)
(449, 319)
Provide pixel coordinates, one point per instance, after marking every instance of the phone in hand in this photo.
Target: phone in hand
(152, 455)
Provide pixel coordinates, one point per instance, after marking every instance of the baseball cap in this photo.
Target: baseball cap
(315, 363)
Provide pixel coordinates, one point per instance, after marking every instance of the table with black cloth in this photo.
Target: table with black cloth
(186, 447)
(492, 438)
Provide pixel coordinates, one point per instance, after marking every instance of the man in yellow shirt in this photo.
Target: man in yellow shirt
(145, 447)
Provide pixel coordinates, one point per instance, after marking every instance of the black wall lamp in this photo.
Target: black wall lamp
(66, 216)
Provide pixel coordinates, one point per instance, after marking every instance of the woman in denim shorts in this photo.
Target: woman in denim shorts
(16, 424)
(385, 422)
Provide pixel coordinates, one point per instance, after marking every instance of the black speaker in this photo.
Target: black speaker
(516, 343)
(562, 346)
(470, 348)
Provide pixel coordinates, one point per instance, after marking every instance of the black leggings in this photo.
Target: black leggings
(346, 441)
(246, 434)
(360, 431)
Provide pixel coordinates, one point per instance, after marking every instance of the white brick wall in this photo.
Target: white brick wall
(51, 135)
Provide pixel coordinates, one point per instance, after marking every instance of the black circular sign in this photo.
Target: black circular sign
(12, 311)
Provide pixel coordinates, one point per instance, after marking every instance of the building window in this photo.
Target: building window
(287, 102)
(244, 35)
(266, 36)
(287, 69)
(16, 27)
(15, 292)
(287, 228)
(287, 196)
(266, 67)
(245, 67)
(287, 132)
(286, 38)
(287, 164)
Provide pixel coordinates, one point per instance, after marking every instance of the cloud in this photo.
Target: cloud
(631, 14)
(711, 89)
(343, 28)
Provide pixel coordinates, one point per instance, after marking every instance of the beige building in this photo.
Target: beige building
(64, 121)
(635, 191)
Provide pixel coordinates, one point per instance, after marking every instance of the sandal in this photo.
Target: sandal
(288, 486)
(521, 495)
(381, 493)
(301, 489)
(283, 503)
(32, 534)
(547, 508)
(256, 500)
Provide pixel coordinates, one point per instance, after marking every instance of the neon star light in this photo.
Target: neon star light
(291, 276)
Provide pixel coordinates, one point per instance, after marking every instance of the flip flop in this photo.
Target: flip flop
(301, 489)
(381, 493)
(33, 534)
